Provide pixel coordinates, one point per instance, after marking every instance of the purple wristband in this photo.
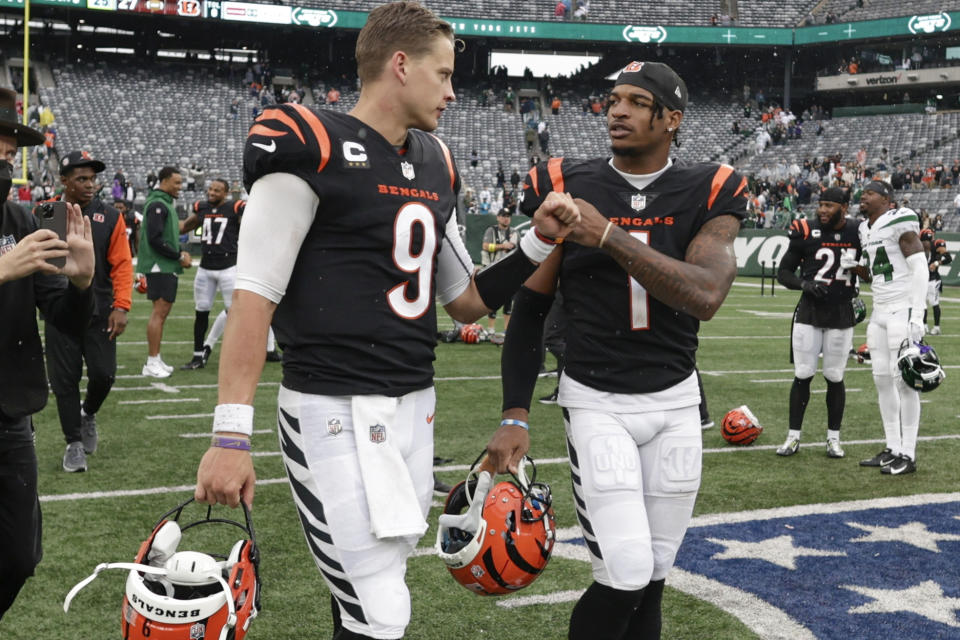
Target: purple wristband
(225, 442)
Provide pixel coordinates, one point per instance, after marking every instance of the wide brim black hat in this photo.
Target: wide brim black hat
(10, 124)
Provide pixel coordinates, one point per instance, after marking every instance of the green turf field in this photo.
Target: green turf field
(153, 432)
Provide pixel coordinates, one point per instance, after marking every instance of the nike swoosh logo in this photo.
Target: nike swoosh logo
(430, 417)
(269, 148)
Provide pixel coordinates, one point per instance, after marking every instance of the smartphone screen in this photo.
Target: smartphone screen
(53, 216)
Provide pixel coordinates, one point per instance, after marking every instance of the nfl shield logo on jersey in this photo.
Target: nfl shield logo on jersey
(198, 631)
(7, 243)
(378, 433)
(407, 169)
(638, 202)
(334, 426)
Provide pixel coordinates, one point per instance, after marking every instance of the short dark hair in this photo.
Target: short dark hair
(223, 181)
(166, 172)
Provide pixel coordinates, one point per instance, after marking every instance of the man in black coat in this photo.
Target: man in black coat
(63, 294)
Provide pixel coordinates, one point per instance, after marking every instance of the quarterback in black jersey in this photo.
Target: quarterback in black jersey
(826, 254)
(651, 258)
(348, 238)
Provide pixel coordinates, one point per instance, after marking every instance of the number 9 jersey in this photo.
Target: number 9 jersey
(881, 243)
(358, 315)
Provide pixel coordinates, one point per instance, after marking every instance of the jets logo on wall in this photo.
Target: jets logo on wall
(635, 33)
(929, 23)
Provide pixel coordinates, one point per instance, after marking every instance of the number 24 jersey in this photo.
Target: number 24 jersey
(358, 316)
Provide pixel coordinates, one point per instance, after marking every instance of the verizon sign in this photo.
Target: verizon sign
(886, 79)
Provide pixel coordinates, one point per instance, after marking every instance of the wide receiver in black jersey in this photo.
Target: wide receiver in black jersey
(937, 256)
(219, 221)
(651, 258)
(348, 238)
(826, 254)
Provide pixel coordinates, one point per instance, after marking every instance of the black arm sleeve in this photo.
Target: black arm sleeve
(523, 348)
(497, 282)
(787, 272)
(156, 220)
(68, 308)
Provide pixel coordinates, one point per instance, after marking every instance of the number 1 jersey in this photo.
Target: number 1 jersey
(358, 316)
(620, 339)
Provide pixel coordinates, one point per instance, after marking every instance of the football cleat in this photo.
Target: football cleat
(74, 458)
(935, 331)
(900, 465)
(497, 539)
(707, 423)
(88, 433)
(790, 447)
(919, 366)
(740, 426)
(177, 595)
(471, 333)
(550, 399)
(882, 459)
(155, 370)
(834, 450)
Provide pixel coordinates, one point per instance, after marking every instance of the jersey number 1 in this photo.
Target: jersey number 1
(420, 263)
(639, 299)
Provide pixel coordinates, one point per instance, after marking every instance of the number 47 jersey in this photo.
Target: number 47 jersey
(881, 243)
(358, 315)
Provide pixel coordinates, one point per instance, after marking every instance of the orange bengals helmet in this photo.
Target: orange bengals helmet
(503, 540)
(740, 426)
(187, 595)
(471, 333)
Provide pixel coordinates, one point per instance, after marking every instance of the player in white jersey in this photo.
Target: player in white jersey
(890, 239)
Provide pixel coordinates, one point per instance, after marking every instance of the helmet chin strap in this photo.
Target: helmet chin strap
(157, 571)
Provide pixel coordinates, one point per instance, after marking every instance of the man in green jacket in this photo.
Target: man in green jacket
(160, 259)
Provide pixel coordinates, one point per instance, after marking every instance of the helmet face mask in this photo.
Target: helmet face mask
(504, 539)
(920, 366)
(188, 595)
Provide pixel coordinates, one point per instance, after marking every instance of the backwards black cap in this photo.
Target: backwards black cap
(881, 188)
(659, 79)
(835, 194)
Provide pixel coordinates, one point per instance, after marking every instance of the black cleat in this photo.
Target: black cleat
(900, 465)
(273, 356)
(440, 487)
(550, 399)
(882, 459)
(197, 362)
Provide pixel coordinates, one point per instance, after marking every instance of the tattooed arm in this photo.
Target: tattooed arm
(696, 285)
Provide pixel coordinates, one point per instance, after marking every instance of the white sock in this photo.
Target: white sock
(216, 330)
(794, 433)
(833, 434)
(154, 359)
(909, 418)
(271, 341)
(889, 401)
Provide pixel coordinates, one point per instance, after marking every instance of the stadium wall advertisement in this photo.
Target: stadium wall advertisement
(915, 26)
(752, 247)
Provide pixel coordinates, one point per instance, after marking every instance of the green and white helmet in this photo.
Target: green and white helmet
(920, 366)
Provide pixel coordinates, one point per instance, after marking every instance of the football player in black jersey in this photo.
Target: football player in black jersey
(219, 220)
(937, 256)
(348, 238)
(651, 258)
(824, 318)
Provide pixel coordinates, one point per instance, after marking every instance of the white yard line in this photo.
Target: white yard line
(159, 400)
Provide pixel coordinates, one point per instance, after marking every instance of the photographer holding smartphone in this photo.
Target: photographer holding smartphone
(28, 281)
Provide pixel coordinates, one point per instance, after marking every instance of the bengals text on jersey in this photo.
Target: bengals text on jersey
(621, 339)
(358, 316)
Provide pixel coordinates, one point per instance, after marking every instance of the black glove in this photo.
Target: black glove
(815, 289)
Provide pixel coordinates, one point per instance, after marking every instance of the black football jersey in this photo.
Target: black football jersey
(941, 259)
(219, 232)
(358, 316)
(818, 251)
(620, 339)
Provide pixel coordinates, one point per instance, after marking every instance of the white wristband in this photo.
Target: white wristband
(535, 248)
(233, 418)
